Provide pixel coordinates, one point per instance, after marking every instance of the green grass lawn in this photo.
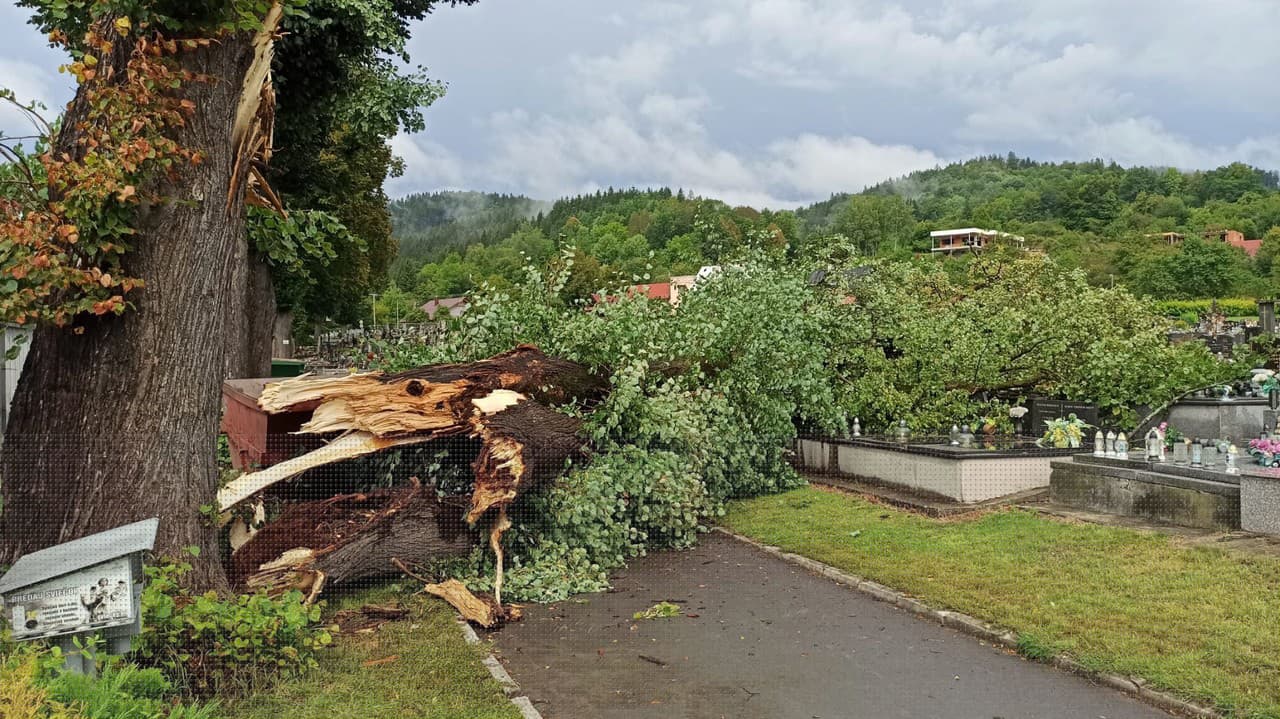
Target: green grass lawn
(1202, 623)
(436, 675)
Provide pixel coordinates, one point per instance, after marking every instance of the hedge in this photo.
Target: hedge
(1231, 307)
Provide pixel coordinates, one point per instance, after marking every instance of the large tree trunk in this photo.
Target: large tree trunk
(354, 537)
(251, 321)
(118, 423)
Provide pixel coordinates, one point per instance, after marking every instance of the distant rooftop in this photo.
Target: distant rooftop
(455, 306)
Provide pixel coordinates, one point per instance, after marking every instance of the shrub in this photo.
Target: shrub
(123, 691)
(21, 695)
(1230, 307)
(205, 643)
(33, 685)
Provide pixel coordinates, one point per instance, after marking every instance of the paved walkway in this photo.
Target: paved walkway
(761, 639)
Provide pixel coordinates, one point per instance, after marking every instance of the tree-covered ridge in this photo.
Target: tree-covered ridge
(1103, 218)
(1100, 217)
(621, 237)
(1079, 195)
(428, 225)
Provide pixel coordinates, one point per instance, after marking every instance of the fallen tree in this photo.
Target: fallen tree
(523, 444)
(351, 537)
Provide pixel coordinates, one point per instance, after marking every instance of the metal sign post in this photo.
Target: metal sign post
(90, 586)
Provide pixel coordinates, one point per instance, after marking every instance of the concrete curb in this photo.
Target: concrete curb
(1133, 686)
(499, 673)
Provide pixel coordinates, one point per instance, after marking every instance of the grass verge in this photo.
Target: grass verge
(1202, 623)
(435, 674)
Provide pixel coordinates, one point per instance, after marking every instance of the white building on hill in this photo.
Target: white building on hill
(970, 239)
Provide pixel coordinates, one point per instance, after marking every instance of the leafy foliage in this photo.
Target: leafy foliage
(67, 225)
(958, 342)
(21, 694)
(288, 242)
(707, 398)
(75, 19)
(205, 643)
(661, 610)
(123, 691)
(34, 685)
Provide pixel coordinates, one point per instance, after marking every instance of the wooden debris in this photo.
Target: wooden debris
(478, 609)
(242, 531)
(293, 569)
(367, 618)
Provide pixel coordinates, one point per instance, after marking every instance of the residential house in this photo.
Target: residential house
(449, 306)
(681, 284)
(969, 239)
(1236, 239)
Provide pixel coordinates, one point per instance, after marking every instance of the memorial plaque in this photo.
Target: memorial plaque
(94, 598)
(90, 585)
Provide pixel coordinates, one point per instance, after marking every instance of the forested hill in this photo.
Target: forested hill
(1084, 196)
(430, 225)
(1103, 218)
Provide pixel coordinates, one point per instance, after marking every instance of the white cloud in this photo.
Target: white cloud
(814, 166)
(428, 165)
(603, 80)
(1144, 141)
(780, 102)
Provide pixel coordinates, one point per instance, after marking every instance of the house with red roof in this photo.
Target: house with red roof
(445, 307)
(1235, 238)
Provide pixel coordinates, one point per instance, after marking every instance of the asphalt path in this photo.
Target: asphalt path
(758, 638)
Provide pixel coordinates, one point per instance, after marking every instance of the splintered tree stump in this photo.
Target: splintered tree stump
(489, 399)
(523, 445)
(436, 398)
(352, 537)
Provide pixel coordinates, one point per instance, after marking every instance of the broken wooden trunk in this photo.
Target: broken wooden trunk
(502, 401)
(350, 538)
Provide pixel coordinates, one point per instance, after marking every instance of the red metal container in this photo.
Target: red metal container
(258, 439)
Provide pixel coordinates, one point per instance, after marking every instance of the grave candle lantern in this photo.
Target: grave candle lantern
(1153, 444)
(1180, 451)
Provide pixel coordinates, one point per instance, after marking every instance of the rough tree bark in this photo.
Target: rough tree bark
(356, 537)
(118, 423)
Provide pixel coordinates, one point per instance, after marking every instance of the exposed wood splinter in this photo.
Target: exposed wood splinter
(523, 445)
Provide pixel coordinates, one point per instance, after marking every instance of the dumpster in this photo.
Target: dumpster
(287, 367)
(258, 439)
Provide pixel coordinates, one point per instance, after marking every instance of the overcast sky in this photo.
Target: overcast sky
(779, 102)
